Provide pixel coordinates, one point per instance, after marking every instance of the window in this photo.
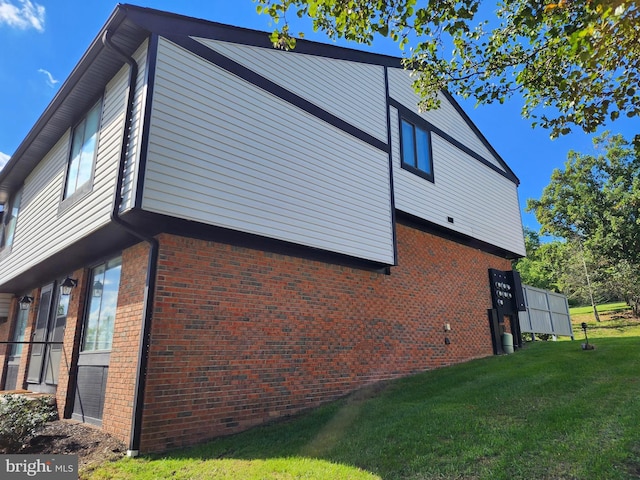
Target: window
(15, 349)
(416, 149)
(83, 152)
(10, 220)
(103, 300)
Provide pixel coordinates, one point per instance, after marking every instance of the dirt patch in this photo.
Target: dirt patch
(68, 437)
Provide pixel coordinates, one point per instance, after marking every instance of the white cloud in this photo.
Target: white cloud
(24, 15)
(4, 158)
(50, 80)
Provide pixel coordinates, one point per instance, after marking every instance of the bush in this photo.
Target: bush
(21, 418)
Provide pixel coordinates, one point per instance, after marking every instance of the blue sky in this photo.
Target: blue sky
(42, 40)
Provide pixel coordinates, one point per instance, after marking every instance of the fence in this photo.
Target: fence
(547, 312)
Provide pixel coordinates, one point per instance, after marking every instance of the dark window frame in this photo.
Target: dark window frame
(417, 123)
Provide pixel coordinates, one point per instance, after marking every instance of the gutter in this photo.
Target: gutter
(152, 264)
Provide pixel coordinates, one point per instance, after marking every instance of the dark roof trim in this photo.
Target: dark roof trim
(80, 88)
(165, 24)
(130, 26)
(415, 118)
(443, 232)
(484, 140)
(258, 80)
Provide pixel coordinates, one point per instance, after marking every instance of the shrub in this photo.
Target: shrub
(21, 418)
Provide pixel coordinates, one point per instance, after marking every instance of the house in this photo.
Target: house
(202, 233)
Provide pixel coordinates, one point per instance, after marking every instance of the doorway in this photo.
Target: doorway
(46, 350)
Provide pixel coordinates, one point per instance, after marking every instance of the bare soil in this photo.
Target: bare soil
(68, 437)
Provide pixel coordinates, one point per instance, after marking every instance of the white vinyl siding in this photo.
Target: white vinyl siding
(446, 118)
(131, 171)
(354, 92)
(44, 228)
(226, 153)
(482, 203)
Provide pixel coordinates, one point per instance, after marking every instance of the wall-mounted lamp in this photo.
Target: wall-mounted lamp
(68, 284)
(98, 287)
(25, 302)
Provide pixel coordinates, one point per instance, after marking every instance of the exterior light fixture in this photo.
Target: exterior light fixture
(68, 284)
(25, 302)
(98, 287)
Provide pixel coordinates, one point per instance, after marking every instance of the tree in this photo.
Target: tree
(595, 203)
(537, 269)
(575, 62)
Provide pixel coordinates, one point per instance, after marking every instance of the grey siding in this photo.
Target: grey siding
(226, 153)
(43, 228)
(133, 151)
(447, 118)
(352, 91)
(482, 203)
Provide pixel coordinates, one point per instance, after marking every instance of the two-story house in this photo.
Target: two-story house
(202, 233)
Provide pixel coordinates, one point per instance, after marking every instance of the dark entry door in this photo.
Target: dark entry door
(97, 337)
(46, 353)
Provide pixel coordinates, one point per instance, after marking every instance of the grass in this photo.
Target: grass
(615, 321)
(604, 308)
(550, 411)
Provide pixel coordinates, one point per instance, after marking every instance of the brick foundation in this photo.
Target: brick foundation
(242, 336)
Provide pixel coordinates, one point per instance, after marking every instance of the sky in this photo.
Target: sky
(42, 40)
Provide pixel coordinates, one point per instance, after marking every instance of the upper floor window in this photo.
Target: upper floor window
(9, 220)
(416, 149)
(83, 152)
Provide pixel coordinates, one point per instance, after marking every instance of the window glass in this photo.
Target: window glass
(416, 151)
(83, 148)
(15, 349)
(11, 220)
(103, 300)
(408, 144)
(422, 150)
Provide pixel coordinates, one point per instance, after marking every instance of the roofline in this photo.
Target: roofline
(148, 20)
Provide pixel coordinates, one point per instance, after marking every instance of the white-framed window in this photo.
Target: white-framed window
(82, 155)
(10, 220)
(102, 304)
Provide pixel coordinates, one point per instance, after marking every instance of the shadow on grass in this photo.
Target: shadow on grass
(506, 417)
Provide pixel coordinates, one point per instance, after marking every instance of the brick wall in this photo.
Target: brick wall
(123, 363)
(242, 336)
(65, 392)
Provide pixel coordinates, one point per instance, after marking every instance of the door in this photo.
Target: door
(46, 353)
(15, 351)
(95, 351)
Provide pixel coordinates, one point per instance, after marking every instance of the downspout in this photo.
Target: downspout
(143, 348)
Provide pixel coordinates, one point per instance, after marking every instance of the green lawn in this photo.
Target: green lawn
(550, 411)
(615, 322)
(604, 308)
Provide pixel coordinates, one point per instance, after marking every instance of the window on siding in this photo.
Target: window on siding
(10, 220)
(101, 311)
(416, 149)
(83, 153)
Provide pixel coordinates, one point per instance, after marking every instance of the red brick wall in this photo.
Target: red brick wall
(123, 363)
(72, 333)
(242, 336)
(31, 325)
